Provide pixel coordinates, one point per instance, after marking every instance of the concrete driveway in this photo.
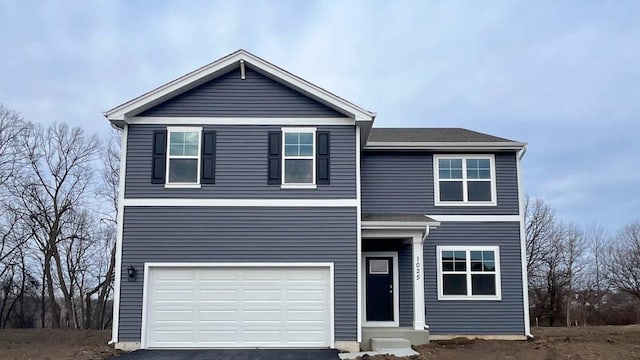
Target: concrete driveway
(229, 354)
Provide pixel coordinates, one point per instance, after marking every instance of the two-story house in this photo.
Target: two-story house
(259, 210)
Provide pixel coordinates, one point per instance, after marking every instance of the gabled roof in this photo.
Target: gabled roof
(219, 67)
(436, 139)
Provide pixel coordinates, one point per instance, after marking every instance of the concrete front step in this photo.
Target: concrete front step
(390, 343)
(416, 337)
(394, 352)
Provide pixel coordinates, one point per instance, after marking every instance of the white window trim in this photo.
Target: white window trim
(468, 249)
(311, 185)
(396, 288)
(465, 201)
(171, 129)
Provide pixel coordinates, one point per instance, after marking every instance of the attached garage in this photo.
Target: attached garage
(238, 305)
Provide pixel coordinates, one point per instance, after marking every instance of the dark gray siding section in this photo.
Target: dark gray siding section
(406, 285)
(230, 96)
(405, 273)
(404, 183)
(504, 317)
(195, 234)
(241, 165)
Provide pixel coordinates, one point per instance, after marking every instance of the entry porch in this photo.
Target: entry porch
(392, 277)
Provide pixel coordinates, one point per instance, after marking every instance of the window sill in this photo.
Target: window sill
(298, 186)
(470, 298)
(182, 186)
(459, 203)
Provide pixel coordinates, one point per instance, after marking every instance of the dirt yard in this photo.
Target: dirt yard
(584, 343)
(42, 344)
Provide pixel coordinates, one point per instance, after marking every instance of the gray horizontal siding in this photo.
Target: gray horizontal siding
(405, 273)
(241, 165)
(404, 183)
(230, 96)
(477, 317)
(405, 276)
(194, 234)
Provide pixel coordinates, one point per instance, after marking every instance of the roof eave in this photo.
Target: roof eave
(210, 71)
(444, 146)
(409, 225)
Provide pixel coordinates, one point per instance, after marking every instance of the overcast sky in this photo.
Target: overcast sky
(562, 76)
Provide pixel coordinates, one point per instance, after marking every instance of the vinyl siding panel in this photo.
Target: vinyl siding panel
(241, 165)
(504, 317)
(405, 264)
(194, 234)
(403, 183)
(405, 272)
(230, 96)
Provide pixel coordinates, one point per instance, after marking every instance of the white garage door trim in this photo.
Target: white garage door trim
(148, 266)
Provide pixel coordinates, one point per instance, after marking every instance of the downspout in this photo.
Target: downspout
(524, 151)
(523, 253)
(426, 233)
(424, 238)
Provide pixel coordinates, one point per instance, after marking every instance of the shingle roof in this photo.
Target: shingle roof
(397, 217)
(431, 135)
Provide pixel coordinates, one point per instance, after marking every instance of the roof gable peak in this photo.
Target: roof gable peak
(221, 66)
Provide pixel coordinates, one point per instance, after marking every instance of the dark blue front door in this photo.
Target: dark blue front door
(379, 293)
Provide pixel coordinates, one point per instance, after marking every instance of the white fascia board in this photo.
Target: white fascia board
(405, 233)
(444, 146)
(409, 225)
(476, 218)
(186, 121)
(210, 71)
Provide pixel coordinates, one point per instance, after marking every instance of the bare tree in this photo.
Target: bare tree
(555, 252)
(11, 125)
(539, 226)
(553, 277)
(593, 286)
(108, 189)
(623, 264)
(53, 182)
(573, 245)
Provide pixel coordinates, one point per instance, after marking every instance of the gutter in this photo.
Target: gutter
(522, 152)
(445, 146)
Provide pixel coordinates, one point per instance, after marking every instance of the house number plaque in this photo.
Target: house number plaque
(418, 268)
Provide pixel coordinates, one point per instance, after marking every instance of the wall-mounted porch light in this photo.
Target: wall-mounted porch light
(131, 272)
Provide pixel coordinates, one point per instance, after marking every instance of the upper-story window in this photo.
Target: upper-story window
(469, 273)
(465, 180)
(183, 157)
(298, 160)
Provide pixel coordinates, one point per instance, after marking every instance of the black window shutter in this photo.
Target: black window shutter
(322, 158)
(159, 157)
(208, 157)
(275, 158)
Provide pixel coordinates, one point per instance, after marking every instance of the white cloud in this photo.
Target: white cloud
(561, 76)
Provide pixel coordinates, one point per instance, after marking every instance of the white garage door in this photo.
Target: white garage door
(238, 307)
